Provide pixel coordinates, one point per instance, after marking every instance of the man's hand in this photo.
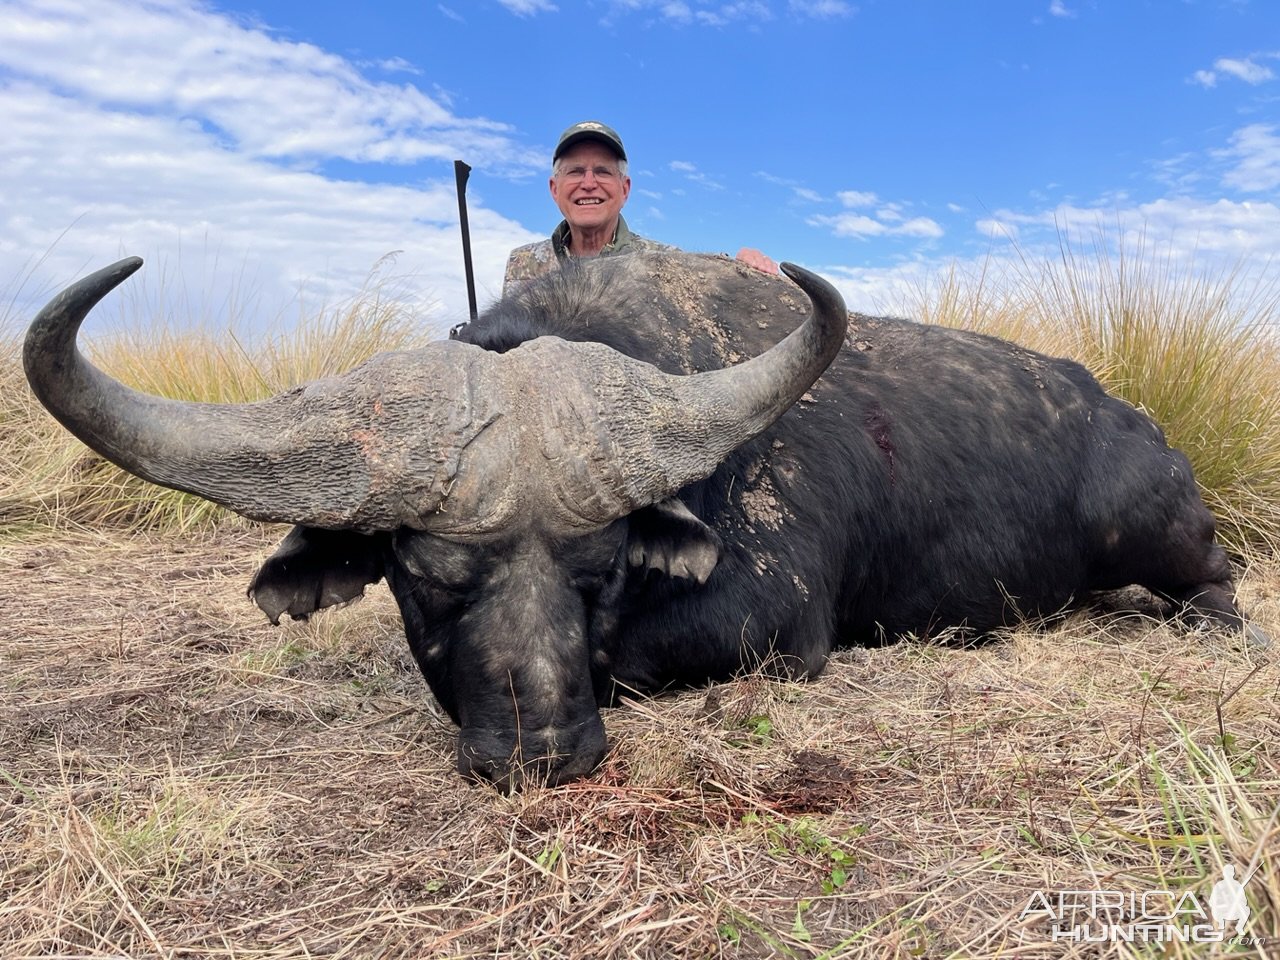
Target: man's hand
(754, 258)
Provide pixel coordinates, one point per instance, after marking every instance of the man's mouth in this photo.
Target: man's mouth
(588, 201)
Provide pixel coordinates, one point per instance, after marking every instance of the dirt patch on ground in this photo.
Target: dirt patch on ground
(180, 779)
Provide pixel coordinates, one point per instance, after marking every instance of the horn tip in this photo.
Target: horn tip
(126, 266)
(813, 284)
(789, 268)
(797, 273)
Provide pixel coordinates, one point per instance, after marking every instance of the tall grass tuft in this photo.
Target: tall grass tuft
(49, 478)
(1198, 350)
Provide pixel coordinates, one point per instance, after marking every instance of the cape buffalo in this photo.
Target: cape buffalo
(559, 521)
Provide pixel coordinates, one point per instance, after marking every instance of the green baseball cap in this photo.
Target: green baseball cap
(590, 130)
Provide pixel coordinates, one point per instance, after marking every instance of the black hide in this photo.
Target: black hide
(932, 480)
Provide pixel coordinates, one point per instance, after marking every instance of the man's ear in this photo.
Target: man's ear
(313, 569)
(668, 538)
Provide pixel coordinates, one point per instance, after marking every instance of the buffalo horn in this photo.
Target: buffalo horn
(386, 445)
(688, 425)
(302, 457)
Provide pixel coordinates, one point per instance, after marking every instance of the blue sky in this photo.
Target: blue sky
(261, 152)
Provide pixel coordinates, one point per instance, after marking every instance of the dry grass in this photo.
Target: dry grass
(177, 778)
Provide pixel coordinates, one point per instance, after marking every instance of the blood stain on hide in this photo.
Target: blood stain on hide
(878, 427)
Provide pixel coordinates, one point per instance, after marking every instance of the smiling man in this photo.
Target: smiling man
(589, 184)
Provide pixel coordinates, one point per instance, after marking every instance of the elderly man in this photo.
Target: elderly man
(589, 184)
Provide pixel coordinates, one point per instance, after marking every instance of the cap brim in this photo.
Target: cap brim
(586, 135)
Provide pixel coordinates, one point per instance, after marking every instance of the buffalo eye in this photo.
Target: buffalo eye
(449, 566)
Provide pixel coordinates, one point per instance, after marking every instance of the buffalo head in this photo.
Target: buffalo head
(497, 491)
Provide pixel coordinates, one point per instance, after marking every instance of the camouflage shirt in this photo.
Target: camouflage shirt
(534, 259)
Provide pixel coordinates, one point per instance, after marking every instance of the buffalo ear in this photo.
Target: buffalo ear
(313, 569)
(668, 538)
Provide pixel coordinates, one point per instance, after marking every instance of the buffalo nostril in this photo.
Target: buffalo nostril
(550, 757)
(472, 766)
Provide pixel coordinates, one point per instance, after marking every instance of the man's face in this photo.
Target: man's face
(588, 189)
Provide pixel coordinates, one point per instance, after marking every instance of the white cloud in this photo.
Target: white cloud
(1247, 70)
(883, 290)
(1179, 173)
(800, 191)
(1196, 236)
(171, 57)
(691, 172)
(888, 220)
(151, 140)
(1255, 152)
(857, 198)
(1205, 78)
(1223, 231)
(1236, 229)
(727, 13)
(921, 227)
(1193, 238)
(821, 9)
(1059, 9)
(705, 14)
(862, 227)
(529, 8)
(397, 65)
(997, 229)
(851, 225)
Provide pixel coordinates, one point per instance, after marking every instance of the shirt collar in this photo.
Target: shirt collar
(561, 236)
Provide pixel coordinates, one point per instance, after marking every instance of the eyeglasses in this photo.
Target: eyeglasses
(578, 173)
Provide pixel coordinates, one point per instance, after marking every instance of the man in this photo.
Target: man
(589, 184)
